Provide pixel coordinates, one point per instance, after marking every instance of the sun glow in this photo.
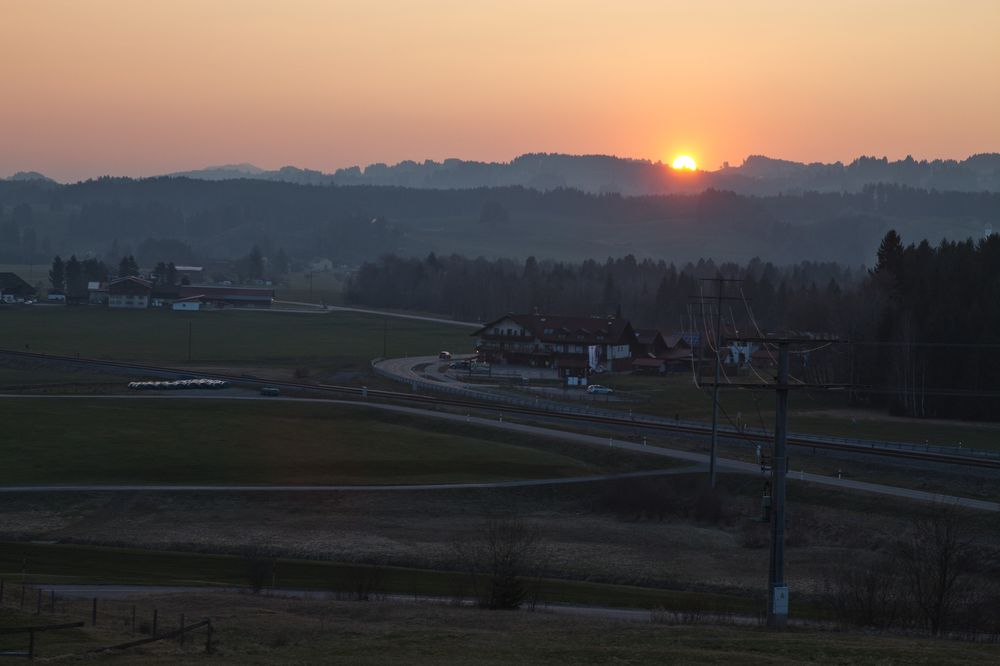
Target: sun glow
(685, 162)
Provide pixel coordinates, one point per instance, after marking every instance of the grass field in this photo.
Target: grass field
(814, 412)
(264, 630)
(72, 563)
(322, 287)
(329, 341)
(191, 441)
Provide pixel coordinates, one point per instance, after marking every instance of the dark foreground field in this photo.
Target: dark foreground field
(119, 440)
(260, 630)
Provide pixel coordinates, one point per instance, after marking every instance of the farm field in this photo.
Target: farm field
(47, 563)
(661, 534)
(322, 287)
(263, 630)
(220, 441)
(328, 341)
(814, 412)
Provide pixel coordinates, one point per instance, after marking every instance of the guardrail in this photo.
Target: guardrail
(537, 406)
(745, 434)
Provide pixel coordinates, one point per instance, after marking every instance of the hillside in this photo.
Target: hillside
(348, 224)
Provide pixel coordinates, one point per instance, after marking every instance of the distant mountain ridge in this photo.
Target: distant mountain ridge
(605, 174)
(758, 174)
(29, 176)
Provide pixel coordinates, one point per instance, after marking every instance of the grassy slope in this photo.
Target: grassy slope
(191, 441)
(314, 340)
(69, 563)
(675, 395)
(265, 630)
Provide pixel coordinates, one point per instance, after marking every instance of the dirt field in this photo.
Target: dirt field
(717, 548)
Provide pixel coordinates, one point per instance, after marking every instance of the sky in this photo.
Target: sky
(122, 87)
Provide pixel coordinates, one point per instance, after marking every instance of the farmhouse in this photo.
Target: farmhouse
(571, 346)
(13, 289)
(97, 293)
(659, 352)
(225, 296)
(192, 303)
(129, 292)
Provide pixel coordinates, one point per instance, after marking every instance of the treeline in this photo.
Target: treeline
(71, 276)
(806, 296)
(920, 325)
(192, 220)
(934, 327)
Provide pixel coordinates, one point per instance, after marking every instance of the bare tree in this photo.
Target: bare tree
(258, 568)
(938, 558)
(503, 562)
(868, 594)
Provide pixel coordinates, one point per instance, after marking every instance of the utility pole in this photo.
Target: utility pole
(777, 588)
(385, 337)
(719, 298)
(715, 390)
(189, 342)
(777, 601)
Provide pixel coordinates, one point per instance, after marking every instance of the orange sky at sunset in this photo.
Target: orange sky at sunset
(139, 88)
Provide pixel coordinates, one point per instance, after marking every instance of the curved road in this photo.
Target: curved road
(727, 464)
(380, 313)
(526, 483)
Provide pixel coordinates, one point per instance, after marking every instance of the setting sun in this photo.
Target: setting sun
(685, 162)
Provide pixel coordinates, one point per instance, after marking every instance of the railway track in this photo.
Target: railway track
(375, 395)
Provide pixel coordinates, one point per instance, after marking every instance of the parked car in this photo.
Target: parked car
(597, 388)
(459, 365)
(270, 391)
(444, 356)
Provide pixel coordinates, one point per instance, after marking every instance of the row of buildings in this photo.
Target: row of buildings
(138, 293)
(575, 347)
(132, 292)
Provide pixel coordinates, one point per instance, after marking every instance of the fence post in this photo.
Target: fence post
(31, 644)
(183, 634)
(38, 604)
(93, 613)
(208, 639)
(22, 596)
(133, 619)
(155, 617)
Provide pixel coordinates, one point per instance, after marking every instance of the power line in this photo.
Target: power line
(720, 282)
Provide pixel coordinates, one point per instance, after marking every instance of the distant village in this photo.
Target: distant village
(573, 348)
(567, 348)
(165, 286)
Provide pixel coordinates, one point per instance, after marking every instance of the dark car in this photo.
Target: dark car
(270, 391)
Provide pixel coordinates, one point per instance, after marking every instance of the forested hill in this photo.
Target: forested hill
(348, 224)
(922, 325)
(602, 174)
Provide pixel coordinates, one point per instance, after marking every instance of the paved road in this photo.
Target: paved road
(113, 591)
(724, 464)
(402, 369)
(525, 483)
(383, 313)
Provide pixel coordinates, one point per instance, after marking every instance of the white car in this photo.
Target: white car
(597, 388)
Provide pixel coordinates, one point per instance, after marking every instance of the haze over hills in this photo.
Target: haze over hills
(601, 174)
(184, 219)
(757, 174)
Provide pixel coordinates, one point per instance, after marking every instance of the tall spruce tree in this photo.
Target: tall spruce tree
(57, 274)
